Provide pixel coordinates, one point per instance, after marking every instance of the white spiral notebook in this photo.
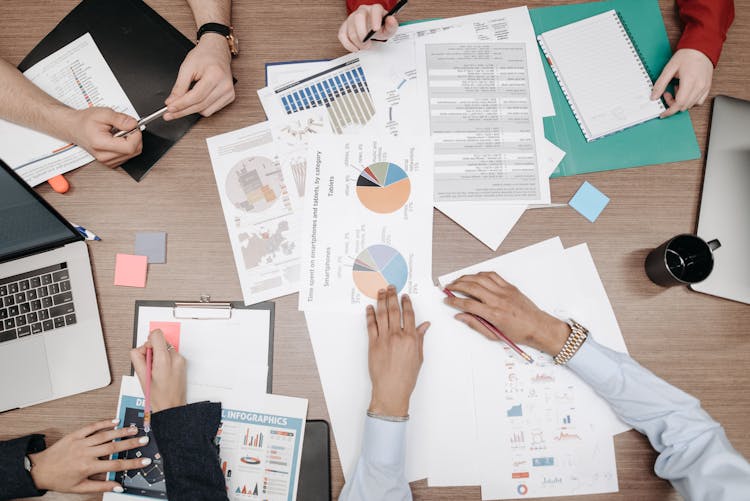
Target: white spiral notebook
(601, 74)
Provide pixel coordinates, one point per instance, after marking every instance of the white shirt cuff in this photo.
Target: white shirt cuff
(384, 442)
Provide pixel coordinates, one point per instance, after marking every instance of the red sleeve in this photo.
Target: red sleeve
(706, 25)
(352, 5)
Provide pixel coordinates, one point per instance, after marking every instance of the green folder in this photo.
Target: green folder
(654, 142)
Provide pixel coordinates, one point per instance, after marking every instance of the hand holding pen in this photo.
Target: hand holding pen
(367, 21)
(165, 376)
(509, 313)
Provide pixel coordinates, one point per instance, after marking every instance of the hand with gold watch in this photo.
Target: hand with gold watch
(515, 315)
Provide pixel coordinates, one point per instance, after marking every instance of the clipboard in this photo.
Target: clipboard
(143, 51)
(206, 310)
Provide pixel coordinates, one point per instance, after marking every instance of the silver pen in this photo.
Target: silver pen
(143, 122)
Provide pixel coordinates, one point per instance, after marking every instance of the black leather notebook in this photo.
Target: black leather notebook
(144, 52)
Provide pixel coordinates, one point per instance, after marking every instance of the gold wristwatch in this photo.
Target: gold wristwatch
(578, 335)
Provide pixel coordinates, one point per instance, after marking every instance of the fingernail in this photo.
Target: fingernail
(143, 440)
(391, 287)
(118, 488)
(115, 421)
(132, 429)
(146, 461)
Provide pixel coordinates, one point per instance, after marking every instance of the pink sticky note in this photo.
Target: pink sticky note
(130, 270)
(171, 331)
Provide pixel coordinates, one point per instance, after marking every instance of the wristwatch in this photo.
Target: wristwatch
(27, 464)
(223, 30)
(578, 335)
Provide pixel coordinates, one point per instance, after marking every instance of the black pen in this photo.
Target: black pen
(391, 12)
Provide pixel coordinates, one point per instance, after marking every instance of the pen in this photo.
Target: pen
(497, 332)
(143, 122)
(88, 235)
(391, 12)
(147, 404)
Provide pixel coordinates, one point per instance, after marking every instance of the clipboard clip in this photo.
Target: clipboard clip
(204, 309)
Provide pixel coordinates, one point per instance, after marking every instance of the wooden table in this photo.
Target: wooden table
(699, 342)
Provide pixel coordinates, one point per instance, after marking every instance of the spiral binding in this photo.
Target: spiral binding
(564, 89)
(645, 70)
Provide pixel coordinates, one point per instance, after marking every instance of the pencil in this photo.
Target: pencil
(497, 333)
(391, 12)
(147, 404)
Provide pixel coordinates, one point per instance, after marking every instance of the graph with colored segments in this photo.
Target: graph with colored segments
(377, 267)
(342, 90)
(254, 184)
(383, 187)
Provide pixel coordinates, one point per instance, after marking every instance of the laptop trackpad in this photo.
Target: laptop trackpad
(25, 373)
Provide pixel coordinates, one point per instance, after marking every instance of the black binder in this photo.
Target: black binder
(144, 52)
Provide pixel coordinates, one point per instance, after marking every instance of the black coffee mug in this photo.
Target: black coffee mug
(684, 259)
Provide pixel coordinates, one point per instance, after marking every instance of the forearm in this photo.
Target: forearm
(379, 473)
(24, 103)
(211, 11)
(352, 5)
(706, 23)
(185, 438)
(695, 454)
(16, 481)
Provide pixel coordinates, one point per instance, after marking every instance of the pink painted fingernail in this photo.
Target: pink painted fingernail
(143, 440)
(146, 461)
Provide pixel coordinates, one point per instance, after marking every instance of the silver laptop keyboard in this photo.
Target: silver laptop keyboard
(35, 302)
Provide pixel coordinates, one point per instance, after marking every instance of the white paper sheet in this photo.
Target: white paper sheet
(559, 407)
(78, 76)
(394, 63)
(491, 231)
(367, 221)
(222, 354)
(475, 103)
(261, 188)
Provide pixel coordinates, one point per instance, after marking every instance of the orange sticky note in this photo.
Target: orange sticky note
(130, 270)
(171, 331)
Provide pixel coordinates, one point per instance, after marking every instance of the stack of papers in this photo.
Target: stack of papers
(479, 414)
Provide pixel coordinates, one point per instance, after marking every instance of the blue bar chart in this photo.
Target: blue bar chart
(342, 90)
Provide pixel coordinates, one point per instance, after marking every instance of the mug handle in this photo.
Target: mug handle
(714, 244)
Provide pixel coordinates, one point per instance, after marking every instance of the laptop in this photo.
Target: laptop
(51, 342)
(725, 203)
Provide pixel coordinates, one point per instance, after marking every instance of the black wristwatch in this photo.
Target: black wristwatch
(223, 30)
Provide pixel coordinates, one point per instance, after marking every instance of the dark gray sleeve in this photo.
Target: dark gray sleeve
(185, 438)
(15, 481)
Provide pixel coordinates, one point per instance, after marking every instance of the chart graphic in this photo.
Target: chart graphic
(149, 480)
(342, 91)
(378, 266)
(383, 187)
(254, 184)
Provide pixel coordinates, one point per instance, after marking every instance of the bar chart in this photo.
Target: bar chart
(342, 90)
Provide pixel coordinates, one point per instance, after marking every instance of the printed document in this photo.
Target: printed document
(261, 189)
(260, 446)
(367, 221)
(477, 104)
(78, 76)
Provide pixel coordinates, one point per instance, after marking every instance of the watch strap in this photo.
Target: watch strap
(578, 335)
(221, 29)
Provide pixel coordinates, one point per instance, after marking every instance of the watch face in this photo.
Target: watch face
(27, 463)
(234, 44)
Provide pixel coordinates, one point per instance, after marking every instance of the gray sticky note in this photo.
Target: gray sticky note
(152, 244)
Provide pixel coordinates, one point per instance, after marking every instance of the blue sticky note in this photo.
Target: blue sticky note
(588, 201)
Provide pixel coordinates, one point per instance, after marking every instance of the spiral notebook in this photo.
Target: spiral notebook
(601, 74)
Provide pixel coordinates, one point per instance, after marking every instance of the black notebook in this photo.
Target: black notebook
(144, 52)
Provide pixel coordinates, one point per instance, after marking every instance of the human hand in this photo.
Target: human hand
(91, 129)
(394, 353)
(168, 380)
(361, 21)
(68, 464)
(208, 64)
(505, 307)
(694, 70)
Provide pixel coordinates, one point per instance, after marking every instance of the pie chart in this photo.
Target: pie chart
(383, 187)
(377, 267)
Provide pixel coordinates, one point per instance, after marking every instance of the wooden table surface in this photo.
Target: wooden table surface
(698, 342)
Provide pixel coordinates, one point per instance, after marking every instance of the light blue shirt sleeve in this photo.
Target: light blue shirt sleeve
(694, 452)
(379, 473)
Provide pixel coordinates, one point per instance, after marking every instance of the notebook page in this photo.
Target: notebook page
(605, 80)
